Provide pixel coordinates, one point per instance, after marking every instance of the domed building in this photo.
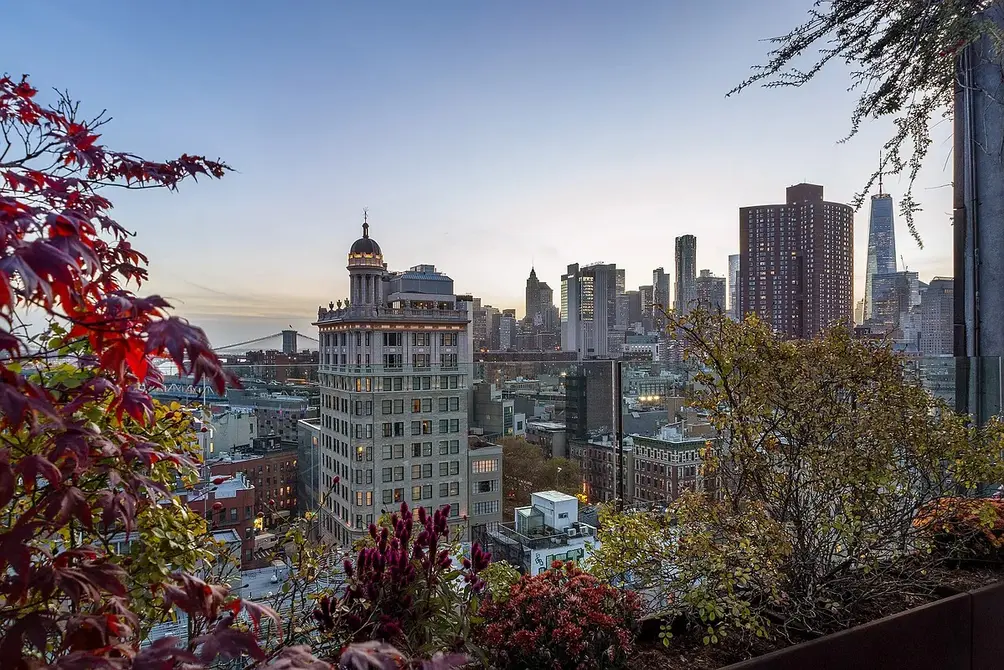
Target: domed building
(366, 270)
(395, 374)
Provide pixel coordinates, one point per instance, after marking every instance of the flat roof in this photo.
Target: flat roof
(547, 425)
(555, 496)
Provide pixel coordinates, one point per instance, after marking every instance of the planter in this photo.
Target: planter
(962, 632)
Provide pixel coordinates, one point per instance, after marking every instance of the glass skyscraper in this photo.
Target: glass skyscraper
(881, 247)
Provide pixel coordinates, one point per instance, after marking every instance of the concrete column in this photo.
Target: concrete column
(979, 225)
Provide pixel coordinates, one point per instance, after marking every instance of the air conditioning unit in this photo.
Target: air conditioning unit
(572, 531)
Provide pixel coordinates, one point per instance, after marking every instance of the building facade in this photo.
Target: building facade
(589, 310)
(667, 465)
(545, 531)
(710, 292)
(894, 297)
(937, 318)
(796, 263)
(881, 246)
(395, 376)
(686, 273)
(734, 311)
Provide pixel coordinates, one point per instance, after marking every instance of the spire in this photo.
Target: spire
(366, 225)
(880, 173)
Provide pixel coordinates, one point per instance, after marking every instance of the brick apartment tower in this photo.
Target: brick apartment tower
(796, 266)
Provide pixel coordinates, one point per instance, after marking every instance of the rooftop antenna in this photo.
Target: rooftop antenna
(880, 173)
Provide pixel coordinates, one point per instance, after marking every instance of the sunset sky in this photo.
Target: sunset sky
(483, 137)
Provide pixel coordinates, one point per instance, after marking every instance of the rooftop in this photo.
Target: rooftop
(555, 496)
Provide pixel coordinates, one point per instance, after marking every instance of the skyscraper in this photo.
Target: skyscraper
(710, 292)
(401, 342)
(660, 296)
(894, 295)
(686, 273)
(539, 316)
(937, 316)
(734, 310)
(796, 264)
(532, 297)
(588, 309)
(881, 245)
(646, 295)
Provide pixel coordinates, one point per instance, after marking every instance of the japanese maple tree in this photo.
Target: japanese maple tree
(83, 448)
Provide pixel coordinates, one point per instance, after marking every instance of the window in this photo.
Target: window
(416, 449)
(444, 404)
(420, 361)
(388, 496)
(444, 426)
(489, 486)
(416, 492)
(444, 468)
(420, 339)
(486, 507)
(454, 446)
(454, 488)
(444, 489)
(416, 471)
(399, 429)
(416, 405)
(444, 447)
(448, 339)
(426, 470)
(427, 427)
(393, 361)
(393, 339)
(454, 425)
(234, 514)
(386, 452)
(399, 473)
(416, 427)
(427, 491)
(387, 474)
(399, 406)
(454, 467)
(398, 451)
(485, 465)
(427, 448)
(247, 512)
(448, 361)
(388, 430)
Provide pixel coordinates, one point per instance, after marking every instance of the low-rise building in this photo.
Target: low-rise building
(545, 531)
(273, 475)
(227, 505)
(550, 436)
(669, 464)
(485, 476)
(598, 460)
(491, 411)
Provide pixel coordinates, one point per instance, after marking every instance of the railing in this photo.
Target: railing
(552, 538)
(371, 311)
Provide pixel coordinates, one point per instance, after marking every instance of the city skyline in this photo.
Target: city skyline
(491, 136)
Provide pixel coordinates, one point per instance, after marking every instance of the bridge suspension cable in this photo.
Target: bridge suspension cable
(240, 344)
(262, 339)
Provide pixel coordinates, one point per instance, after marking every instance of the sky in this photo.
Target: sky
(483, 137)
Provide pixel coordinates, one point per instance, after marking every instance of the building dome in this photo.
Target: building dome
(365, 244)
(365, 252)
